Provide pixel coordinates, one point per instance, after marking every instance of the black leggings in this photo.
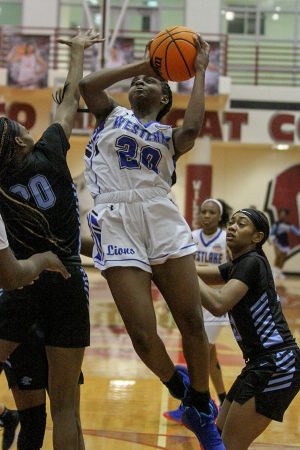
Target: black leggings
(33, 425)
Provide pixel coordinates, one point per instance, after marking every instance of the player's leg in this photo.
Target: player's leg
(64, 370)
(9, 420)
(26, 372)
(67, 332)
(31, 406)
(215, 372)
(81, 445)
(177, 280)
(223, 414)
(131, 290)
(178, 283)
(243, 425)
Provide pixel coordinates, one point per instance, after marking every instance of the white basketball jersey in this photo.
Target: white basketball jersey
(125, 154)
(210, 249)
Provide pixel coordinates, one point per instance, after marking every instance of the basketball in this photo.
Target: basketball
(172, 53)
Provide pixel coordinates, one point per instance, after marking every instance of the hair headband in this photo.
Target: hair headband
(214, 200)
(259, 220)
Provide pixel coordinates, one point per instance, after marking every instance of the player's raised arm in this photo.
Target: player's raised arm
(67, 109)
(92, 87)
(184, 137)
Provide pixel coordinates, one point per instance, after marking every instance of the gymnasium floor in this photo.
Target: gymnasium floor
(122, 402)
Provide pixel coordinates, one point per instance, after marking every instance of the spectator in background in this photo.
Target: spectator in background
(27, 67)
(280, 239)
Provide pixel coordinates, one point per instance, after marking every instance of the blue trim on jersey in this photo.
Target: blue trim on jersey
(264, 322)
(91, 147)
(96, 235)
(85, 283)
(78, 217)
(121, 260)
(146, 125)
(285, 369)
(206, 244)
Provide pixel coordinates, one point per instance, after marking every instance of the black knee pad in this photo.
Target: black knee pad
(33, 425)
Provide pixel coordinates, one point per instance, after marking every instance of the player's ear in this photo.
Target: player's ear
(19, 141)
(258, 237)
(164, 99)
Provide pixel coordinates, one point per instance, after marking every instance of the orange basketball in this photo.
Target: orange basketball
(172, 53)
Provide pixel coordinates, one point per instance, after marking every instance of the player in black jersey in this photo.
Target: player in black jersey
(37, 174)
(271, 377)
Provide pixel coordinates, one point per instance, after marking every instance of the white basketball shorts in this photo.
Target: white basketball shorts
(213, 325)
(138, 229)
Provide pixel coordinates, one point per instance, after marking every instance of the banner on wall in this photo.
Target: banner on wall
(27, 61)
(31, 107)
(198, 188)
(283, 193)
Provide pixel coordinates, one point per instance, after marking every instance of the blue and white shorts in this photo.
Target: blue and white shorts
(138, 229)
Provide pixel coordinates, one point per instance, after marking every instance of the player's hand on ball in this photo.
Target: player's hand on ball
(202, 57)
(150, 70)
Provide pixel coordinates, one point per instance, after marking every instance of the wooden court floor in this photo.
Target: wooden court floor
(122, 402)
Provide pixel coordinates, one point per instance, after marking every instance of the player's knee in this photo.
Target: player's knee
(33, 425)
(193, 326)
(143, 341)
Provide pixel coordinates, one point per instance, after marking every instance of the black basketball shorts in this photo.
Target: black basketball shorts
(273, 380)
(60, 306)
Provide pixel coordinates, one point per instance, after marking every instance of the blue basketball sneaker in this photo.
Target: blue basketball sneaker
(204, 427)
(176, 414)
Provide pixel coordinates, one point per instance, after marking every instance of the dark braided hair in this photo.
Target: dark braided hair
(8, 131)
(19, 216)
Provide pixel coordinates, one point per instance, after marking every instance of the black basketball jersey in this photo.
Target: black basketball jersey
(45, 182)
(257, 321)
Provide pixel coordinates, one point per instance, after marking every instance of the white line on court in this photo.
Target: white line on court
(162, 429)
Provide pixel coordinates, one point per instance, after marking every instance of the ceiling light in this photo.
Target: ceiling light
(229, 15)
(152, 3)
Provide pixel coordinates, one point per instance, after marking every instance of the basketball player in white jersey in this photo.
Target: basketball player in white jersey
(139, 234)
(211, 245)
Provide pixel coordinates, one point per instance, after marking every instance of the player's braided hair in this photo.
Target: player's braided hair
(18, 215)
(8, 130)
